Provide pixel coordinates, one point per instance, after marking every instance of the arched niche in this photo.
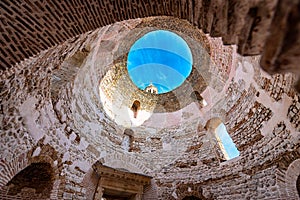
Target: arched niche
(37, 179)
(127, 142)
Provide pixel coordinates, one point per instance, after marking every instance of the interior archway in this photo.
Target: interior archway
(170, 141)
(37, 176)
(221, 137)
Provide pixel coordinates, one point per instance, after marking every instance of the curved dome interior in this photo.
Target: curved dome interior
(75, 115)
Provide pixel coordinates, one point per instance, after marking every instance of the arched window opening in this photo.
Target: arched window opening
(127, 142)
(222, 139)
(227, 146)
(135, 108)
(298, 185)
(191, 198)
(37, 178)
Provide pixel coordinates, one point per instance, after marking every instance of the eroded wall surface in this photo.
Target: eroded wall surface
(52, 112)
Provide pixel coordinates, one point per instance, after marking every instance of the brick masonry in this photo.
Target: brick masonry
(30, 27)
(59, 118)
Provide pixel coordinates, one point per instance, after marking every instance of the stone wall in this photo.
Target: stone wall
(64, 124)
(30, 27)
(262, 138)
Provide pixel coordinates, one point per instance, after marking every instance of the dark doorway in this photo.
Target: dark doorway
(110, 194)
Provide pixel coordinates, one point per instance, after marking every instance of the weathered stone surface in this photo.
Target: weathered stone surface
(281, 52)
(64, 123)
(258, 26)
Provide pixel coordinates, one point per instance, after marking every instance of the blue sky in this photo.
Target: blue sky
(159, 57)
(227, 141)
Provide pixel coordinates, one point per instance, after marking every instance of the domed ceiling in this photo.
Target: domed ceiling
(72, 104)
(103, 96)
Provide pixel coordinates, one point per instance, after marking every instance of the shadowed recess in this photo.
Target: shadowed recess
(38, 176)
